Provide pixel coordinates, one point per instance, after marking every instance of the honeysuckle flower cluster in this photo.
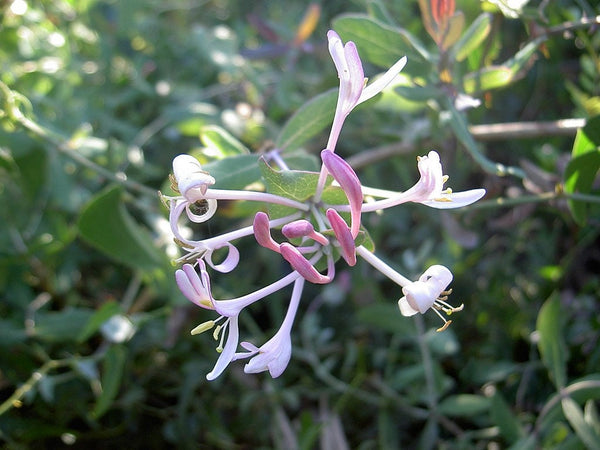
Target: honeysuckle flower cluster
(316, 233)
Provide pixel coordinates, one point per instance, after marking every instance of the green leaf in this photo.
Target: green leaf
(487, 79)
(112, 372)
(220, 143)
(293, 184)
(464, 405)
(584, 431)
(499, 76)
(383, 45)
(582, 169)
(504, 417)
(551, 345)
(386, 317)
(106, 225)
(235, 172)
(61, 326)
(418, 93)
(106, 311)
(456, 23)
(472, 37)
(312, 118)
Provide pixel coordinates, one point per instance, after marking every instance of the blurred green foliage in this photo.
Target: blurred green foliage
(97, 97)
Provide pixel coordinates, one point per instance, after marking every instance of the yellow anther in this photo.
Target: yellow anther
(445, 178)
(451, 310)
(206, 302)
(446, 325)
(216, 332)
(203, 327)
(442, 199)
(173, 183)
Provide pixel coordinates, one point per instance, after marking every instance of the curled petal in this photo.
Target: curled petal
(192, 181)
(349, 182)
(343, 235)
(196, 288)
(438, 275)
(228, 352)
(301, 265)
(420, 295)
(207, 207)
(229, 263)
(273, 358)
(262, 232)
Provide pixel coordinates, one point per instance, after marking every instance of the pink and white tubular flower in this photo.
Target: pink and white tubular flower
(429, 292)
(196, 288)
(352, 81)
(274, 355)
(427, 191)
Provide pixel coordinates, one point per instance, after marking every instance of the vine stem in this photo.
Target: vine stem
(14, 401)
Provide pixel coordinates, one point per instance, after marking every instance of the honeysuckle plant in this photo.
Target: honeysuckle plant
(319, 216)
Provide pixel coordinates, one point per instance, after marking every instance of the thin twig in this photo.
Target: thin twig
(523, 130)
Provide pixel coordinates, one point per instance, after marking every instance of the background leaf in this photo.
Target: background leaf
(112, 373)
(309, 120)
(551, 344)
(221, 144)
(382, 44)
(105, 224)
(574, 414)
(582, 169)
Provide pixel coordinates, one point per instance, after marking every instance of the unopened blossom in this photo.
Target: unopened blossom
(345, 176)
(291, 253)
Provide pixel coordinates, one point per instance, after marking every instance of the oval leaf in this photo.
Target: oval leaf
(112, 371)
(551, 345)
(312, 118)
(475, 35)
(221, 143)
(106, 225)
(382, 44)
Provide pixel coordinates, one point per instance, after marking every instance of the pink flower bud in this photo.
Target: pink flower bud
(349, 182)
(301, 265)
(262, 232)
(343, 235)
(303, 228)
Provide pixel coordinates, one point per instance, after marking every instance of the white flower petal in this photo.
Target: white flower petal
(405, 308)
(381, 82)
(456, 199)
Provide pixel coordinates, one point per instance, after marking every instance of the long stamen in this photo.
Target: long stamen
(446, 322)
(223, 330)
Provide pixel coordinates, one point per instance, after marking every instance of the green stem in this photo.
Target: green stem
(14, 401)
(538, 198)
